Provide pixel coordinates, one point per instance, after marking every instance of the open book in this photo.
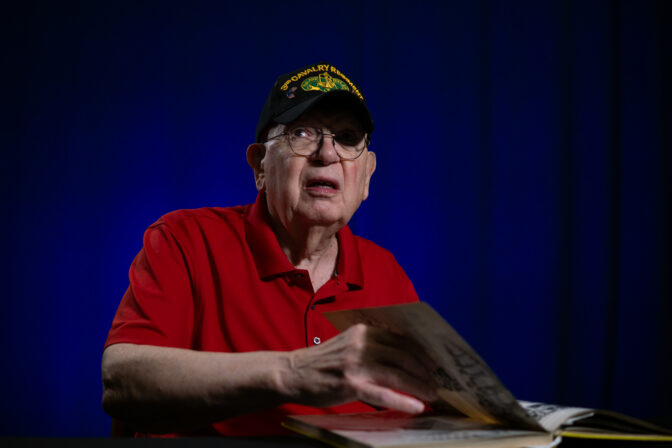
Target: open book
(476, 410)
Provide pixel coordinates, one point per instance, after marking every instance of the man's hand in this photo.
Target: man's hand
(362, 363)
(163, 389)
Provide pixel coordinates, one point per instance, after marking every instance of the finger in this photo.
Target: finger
(388, 398)
(395, 378)
(400, 360)
(404, 353)
(406, 344)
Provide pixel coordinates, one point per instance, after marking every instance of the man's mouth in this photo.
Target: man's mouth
(321, 183)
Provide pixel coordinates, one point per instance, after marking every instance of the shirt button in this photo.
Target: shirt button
(316, 340)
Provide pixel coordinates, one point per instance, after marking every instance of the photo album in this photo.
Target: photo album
(475, 409)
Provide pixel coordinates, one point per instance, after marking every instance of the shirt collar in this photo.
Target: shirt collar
(271, 261)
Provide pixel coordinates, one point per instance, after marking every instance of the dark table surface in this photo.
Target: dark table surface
(257, 442)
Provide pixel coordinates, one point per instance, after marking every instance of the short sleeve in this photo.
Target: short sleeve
(158, 306)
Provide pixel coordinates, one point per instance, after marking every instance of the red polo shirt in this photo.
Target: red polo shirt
(216, 279)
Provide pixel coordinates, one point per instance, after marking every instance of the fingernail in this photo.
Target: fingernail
(418, 407)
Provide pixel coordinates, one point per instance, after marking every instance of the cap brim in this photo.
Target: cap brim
(362, 111)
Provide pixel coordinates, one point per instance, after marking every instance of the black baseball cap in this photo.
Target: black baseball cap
(295, 92)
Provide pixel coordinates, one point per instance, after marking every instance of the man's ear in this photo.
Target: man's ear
(255, 158)
(370, 168)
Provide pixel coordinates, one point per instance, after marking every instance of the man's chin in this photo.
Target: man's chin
(320, 218)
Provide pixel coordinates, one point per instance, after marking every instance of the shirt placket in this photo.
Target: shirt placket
(313, 320)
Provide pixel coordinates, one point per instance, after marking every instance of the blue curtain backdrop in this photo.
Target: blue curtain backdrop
(523, 178)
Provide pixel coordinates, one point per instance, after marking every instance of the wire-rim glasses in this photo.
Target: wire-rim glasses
(306, 141)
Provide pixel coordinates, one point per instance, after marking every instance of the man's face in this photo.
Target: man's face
(321, 190)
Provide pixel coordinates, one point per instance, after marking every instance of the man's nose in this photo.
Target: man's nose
(326, 152)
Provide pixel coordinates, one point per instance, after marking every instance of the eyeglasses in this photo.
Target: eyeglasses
(305, 141)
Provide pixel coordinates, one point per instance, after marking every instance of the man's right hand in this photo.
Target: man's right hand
(362, 363)
(163, 389)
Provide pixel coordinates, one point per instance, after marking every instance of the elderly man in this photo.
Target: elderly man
(221, 329)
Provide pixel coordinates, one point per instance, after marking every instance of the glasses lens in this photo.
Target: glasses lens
(303, 140)
(348, 143)
(350, 138)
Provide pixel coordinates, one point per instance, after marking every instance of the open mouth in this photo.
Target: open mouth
(322, 183)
